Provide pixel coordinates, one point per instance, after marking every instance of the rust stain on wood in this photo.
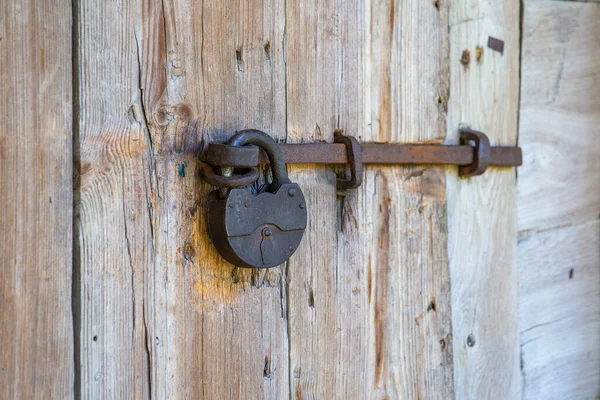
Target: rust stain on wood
(465, 59)
(299, 392)
(478, 53)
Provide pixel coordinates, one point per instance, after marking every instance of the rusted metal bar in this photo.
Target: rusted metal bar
(473, 156)
(393, 153)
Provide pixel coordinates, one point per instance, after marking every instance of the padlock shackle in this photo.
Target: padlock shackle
(265, 142)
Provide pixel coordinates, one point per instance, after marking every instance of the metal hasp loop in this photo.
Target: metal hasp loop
(265, 142)
(232, 181)
(227, 158)
(354, 154)
(226, 155)
(482, 152)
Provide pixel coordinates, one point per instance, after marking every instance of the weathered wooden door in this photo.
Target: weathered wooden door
(403, 288)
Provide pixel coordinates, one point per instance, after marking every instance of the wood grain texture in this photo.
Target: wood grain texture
(559, 312)
(560, 115)
(363, 308)
(161, 314)
(36, 328)
(484, 95)
(369, 302)
(559, 201)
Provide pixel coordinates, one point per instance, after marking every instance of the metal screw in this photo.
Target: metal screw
(302, 206)
(471, 340)
(246, 204)
(267, 232)
(292, 192)
(291, 248)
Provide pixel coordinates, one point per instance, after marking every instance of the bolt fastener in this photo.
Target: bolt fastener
(471, 340)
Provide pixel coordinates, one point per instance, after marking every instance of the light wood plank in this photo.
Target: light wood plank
(482, 219)
(410, 331)
(559, 312)
(36, 200)
(326, 310)
(558, 255)
(162, 314)
(372, 318)
(113, 228)
(560, 115)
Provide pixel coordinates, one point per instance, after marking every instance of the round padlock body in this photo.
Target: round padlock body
(259, 231)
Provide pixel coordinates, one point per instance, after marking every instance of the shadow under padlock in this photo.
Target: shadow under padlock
(259, 230)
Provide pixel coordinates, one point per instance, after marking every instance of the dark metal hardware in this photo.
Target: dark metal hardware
(354, 153)
(270, 147)
(264, 229)
(228, 181)
(472, 160)
(395, 153)
(259, 230)
(482, 153)
(225, 155)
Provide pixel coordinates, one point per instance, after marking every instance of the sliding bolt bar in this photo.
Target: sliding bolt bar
(471, 159)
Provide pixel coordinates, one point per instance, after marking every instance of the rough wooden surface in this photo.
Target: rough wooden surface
(484, 93)
(560, 115)
(363, 309)
(559, 201)
(559, 312)
(36, 330)
(161, 313)
(369, 303)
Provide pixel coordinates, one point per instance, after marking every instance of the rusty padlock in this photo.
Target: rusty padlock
(258, 230)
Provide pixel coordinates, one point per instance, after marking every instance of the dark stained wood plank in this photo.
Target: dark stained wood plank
(36, 200)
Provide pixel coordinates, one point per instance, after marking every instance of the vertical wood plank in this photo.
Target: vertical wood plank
(162, 314)
(410, 332)
(371, 319)
(484, 90)
(36, 329)
(113, 227)
(559, 115)
(559, 201)
(326, 319)
(559, 312)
